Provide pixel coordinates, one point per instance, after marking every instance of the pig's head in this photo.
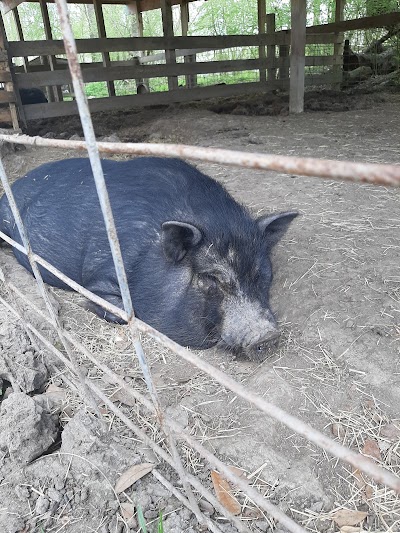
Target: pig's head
(229, 272)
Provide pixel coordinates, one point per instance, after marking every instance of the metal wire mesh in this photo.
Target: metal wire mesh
(385, 174)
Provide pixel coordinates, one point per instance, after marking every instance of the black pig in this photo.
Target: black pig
(197, 263)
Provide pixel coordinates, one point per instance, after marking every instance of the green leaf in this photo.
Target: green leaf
(160, 528)
(141, 520)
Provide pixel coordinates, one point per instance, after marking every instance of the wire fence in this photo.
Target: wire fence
(90, 392)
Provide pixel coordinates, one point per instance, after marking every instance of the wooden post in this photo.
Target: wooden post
(20, 34)
(284, 57)
(297, 55)
(338, 47)
(262, 17)
(168, 29)
(101, 29)
(6, 68)
(191, 79)
(271, 49)
(137, 30)
(51, 59)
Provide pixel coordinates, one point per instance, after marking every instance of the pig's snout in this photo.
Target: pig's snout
(263, 347)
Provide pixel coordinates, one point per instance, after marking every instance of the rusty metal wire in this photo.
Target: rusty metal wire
(350, 171)
(179, 431)
(379, 174)
(357, 460)
(87, 125)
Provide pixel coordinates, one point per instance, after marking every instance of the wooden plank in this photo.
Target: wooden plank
(55, 109)
(190, 79)
(120, 44)
(20, 32)
(262, 21)
(297, 55)
(15, 106)
(168, 30)
(53, 92)
(101, 28)
(5, 76)
(5, 115)
(7, 97)
(142, 100)
(363, 23)
(338, 46)
(146, 5)
(271, 48)
(284, 67)
(8, 5)
(63, 77)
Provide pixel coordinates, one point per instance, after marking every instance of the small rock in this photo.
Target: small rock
(75, 137)
(262, 525)
(42, 505)
(58, 484)
(206, 507)
(49, 135)
(150, 514)
(84, 494)
(63, 135)
(317, 507)
(22, 492)
(54, 495)
(113, 138)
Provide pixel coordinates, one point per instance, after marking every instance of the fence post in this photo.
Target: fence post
(283, 62)
(338, 47)
(262, 16)
(297, 55)
(191, 79)
(168, 30)
(271, 48)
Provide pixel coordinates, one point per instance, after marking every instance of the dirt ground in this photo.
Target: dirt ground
(336, 293)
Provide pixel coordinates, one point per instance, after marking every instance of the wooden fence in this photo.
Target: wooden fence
(55, 74)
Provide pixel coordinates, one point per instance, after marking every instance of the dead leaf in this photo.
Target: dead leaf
(130, 476)
(348, 517)
(390, 431)
(127, 511)
(371, 449)
(223, 491)
(362, 483)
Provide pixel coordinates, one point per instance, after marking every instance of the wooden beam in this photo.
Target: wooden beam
(55, 92)
(101, 29)
(168, 30)
(297, 55)
(62, 77)
(15, 104)
(8, 5)
(190, 79)
(58, 109)
(146, 5)
(338, 46)
(20, 32)
(271, 48)
(262, 20)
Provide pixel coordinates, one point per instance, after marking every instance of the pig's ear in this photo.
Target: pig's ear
(275, 226)
(177, 238)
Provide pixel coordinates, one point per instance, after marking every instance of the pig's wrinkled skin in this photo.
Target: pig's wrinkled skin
(197, 263)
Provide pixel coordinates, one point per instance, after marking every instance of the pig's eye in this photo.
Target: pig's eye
(207, 283)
